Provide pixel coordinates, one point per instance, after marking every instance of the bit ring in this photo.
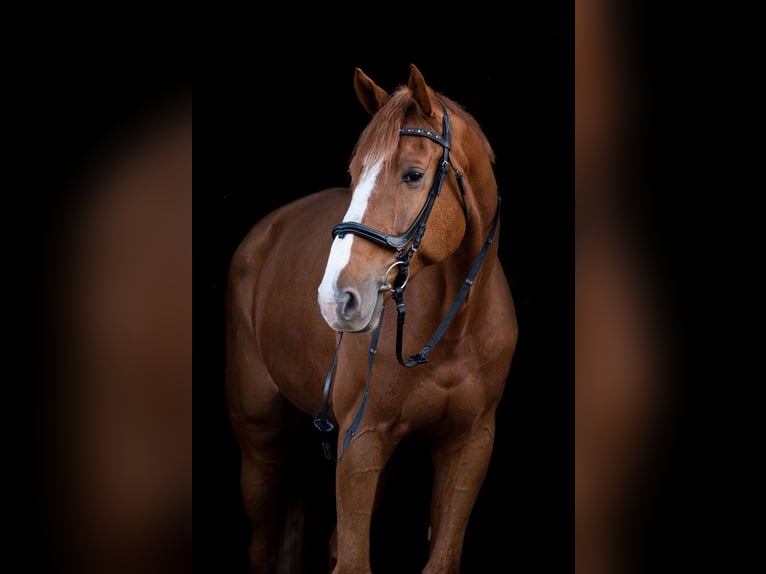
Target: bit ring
(387, 286)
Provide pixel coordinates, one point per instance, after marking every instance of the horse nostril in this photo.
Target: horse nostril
(348, 303)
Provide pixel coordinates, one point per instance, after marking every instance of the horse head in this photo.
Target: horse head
(395, 181)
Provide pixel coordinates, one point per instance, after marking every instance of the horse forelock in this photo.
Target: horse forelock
(379, 140)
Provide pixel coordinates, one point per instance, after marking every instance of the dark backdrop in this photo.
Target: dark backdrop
(514, 73)
(284, 127)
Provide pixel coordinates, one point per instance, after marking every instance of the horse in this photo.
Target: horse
(421, 218)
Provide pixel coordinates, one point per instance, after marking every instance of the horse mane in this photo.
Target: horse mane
(380, 138)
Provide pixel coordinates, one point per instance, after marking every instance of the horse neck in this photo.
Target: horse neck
(481, 195)
(482, 201)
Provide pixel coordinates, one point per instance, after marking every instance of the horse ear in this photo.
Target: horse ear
(420, 91)
(370, 95)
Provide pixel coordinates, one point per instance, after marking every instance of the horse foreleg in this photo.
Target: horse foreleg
(261, 420)
(332, 545)
(356, 485)
(261, 478)
(460, 466)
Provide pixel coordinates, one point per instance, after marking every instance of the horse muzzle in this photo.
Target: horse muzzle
(351, 311)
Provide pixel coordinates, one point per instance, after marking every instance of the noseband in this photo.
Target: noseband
(398, 243)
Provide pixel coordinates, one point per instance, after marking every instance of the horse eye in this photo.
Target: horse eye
(412, 176)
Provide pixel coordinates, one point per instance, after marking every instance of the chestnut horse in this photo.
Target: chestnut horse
(421, 218)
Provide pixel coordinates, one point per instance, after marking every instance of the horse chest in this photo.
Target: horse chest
(439, 395)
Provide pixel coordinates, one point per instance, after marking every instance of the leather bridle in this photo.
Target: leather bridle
(399, 244)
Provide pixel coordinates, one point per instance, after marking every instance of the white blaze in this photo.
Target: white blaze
(341, 246)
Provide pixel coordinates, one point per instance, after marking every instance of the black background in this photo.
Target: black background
(70, 90)
(275, 122)
(285, 128)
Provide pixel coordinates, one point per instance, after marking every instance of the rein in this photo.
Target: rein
(412, 237)
(323, 424)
